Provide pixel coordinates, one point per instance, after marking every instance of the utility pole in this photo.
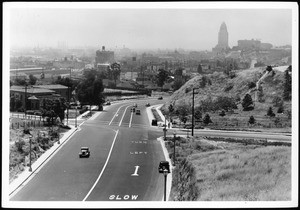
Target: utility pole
(30, 169)
(25, 104)
(193, 113)
(68, 98)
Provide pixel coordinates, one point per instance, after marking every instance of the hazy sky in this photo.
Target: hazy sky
(191, 28)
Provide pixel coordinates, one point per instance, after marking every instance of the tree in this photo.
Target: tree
(162, 76)
(178, 83)
(179, 72)
(199, 69)
(222, 113)
(270, 112)
(277, 121)
(225, 103)
(32, 79)
(89, 90)
(287, 86)
(251, 120)
(171, 108)
(206, 119)
(12, 103)
(182, 111)
(277, 101)
(247, 103)
(280, 109)
(269, 68)
(59, 107)
(198, 114)
(20, 81)
(203, 81)
(115, 71)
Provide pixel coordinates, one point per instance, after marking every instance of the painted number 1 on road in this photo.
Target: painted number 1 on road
(136, 170)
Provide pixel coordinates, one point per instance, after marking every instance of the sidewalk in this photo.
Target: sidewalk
(25, 176)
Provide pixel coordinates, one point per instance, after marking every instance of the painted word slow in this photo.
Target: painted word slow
(125, 197)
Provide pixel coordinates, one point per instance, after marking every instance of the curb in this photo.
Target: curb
(167, 157)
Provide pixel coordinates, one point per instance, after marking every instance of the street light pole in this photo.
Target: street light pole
(68, 99)
(165, 190)
(25, 103)
(76, 116)
(174, 147)
(30, 169)
(193, 111)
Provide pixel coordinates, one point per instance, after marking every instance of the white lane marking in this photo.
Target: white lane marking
(136, 170)
(103, 167)
(123, 115)
(115, 114)
(130, 119)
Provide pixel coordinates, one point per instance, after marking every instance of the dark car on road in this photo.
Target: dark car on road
(163, 165)
(84, 152)
(160, 98)
(147, 104)
(138, 112)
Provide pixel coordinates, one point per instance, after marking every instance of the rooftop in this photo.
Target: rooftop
(51, 86)
(31, 90)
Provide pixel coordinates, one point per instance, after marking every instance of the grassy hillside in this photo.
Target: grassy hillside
(227, 170)
(218, 84)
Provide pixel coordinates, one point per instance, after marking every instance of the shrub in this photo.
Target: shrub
(251, 120)
(280, 109)
(270, 112)
(19, 145)
(247, 103)
(222, 113)
(206, 119)
(251, 85)
(277, 101)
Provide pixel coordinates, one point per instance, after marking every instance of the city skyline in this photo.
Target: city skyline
(152, 28)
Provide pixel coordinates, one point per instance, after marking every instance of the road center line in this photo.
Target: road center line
(130, 119)
(103, 167)
(115, 114)
(123, 115)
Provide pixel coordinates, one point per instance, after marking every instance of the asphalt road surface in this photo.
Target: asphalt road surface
(123, 165)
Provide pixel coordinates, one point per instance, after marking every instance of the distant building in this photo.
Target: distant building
(222, 39)
(246, 45)
(104, 57)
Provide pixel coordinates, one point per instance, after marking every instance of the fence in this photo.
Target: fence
(18, 121)
(32, 123)
(28, 117)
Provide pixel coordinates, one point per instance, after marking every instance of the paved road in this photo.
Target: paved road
(123, 162)
(122, 166)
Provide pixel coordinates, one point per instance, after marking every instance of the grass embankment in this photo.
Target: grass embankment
(230, 170)
(43, 138)
(156, 115)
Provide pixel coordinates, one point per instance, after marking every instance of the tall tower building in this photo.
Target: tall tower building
(222, 39)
